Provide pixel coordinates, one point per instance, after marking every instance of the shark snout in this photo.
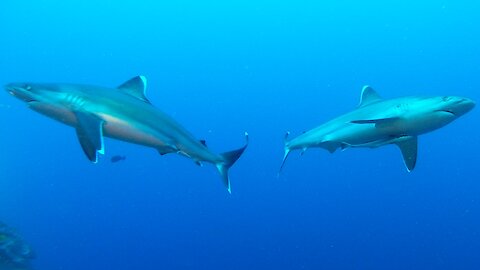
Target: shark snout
(462, 106)
(20, 91)
(15, 87)
(10, 88)
(467, 104)
(471, 102)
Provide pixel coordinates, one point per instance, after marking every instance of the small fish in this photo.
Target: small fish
(117, 158)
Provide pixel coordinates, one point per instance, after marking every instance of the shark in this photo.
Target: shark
(377, 122)
(123, 113)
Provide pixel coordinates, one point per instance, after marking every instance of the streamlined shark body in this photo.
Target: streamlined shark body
(123, 113)
(377, 122)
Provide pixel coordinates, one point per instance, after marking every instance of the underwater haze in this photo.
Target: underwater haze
(221, 68)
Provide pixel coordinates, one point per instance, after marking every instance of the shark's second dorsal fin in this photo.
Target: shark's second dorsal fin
(136, 87)
(368, 96)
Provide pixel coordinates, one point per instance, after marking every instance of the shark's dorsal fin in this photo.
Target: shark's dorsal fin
(90, 134)
(368, 96)
(136, 87)
(409, 148)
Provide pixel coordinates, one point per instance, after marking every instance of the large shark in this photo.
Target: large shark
(123, 113)
(377, 122)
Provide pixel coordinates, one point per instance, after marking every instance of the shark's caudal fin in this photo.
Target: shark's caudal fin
(286, 152)
(229, 158)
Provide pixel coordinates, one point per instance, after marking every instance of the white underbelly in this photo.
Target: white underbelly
(122, 130)
(359, 135)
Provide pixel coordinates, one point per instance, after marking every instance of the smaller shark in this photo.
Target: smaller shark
(122, 113)
(377, 122)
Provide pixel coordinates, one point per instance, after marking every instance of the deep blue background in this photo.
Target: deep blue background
(221, 68)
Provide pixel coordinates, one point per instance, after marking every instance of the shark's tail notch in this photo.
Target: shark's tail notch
(229, 158)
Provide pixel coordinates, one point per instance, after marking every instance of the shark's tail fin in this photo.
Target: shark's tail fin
(287, 152)
(229, 158)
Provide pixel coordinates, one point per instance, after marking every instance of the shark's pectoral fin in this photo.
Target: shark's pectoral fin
(378, 122)
(409, 147)
(136, 87)
(90, 134)
(391, 124)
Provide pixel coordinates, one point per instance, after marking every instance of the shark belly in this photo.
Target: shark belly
(59, 113)
(117, 127)
(354, 135)
(427, 122)
(123, 130)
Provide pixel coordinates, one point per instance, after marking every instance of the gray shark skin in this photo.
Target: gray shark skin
(377, 122)
(123, 113)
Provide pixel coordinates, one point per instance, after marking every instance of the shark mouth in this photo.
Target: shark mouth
(447, 111)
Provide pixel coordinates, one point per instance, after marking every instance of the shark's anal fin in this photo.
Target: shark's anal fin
(409, 148)
(136, 87)
(90, 134)
(368, 96)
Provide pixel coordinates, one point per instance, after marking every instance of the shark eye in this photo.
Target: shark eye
(445, 98)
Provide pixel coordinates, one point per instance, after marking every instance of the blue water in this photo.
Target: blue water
(221, 68)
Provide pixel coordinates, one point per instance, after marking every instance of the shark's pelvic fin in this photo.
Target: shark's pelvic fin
(90, 134)
(167, 150)
(409, 148)
(229, 158)
(368, 96)
(136, 87)
(331, 146)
